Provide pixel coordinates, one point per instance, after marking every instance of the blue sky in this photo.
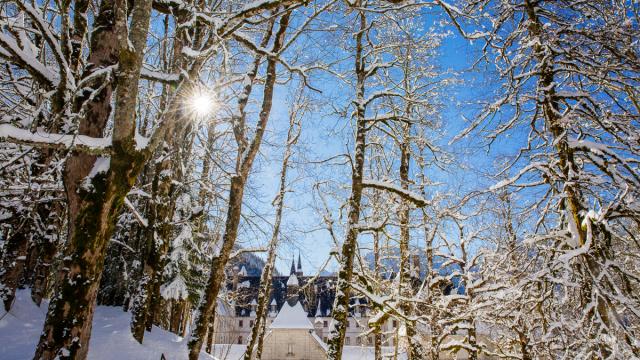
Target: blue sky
(325, 135)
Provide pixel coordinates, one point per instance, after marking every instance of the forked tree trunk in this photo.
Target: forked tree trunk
(93, 208)
(159, 232)
(47, 246)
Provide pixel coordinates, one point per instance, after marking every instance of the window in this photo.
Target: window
(239, 340)
(395, 324)
(324, 339)
(290, 349)
(240, 323)
(347, 341)
(325, 323)
(251, 324)
(358, 341)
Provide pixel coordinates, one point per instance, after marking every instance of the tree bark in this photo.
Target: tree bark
(13, 261)
(405, 284)
(572, 203)
(345, 275)
(93, 208)
(158, 238)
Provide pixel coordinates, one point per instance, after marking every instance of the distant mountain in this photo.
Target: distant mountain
(327, 273)
(252, 263)
(390, 262)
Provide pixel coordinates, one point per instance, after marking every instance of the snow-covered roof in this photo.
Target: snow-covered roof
(243, 271)
(223, 309)
(274, 302)
(291, 317)
(293, 280)
(176, 289)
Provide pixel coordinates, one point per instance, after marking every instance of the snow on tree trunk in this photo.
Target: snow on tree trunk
(94, 204)
(340, 312)
(14, 256)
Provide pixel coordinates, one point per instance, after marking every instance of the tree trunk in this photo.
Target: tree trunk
(206, 313)
(266, 279)
(345, 275)
(47, 248)
(376, 274)
(405, 285)
(13, 260)
(158, 235)
(210, 338)
(94, 207)
(572, 203)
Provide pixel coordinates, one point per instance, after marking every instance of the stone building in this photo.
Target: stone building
(292, 336)
(314, 296)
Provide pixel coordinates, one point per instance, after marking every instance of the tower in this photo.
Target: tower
(292, 289)
(293, 267)
(299, 270)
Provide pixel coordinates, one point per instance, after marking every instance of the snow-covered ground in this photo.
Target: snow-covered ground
(111, 338)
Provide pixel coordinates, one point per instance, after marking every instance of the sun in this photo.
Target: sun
(201, 104)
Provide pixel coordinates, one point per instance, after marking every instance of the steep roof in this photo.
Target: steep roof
(243, 271)
(291, 317)
(293, 280)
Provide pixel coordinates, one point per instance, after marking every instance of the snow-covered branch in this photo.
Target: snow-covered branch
(43, 139)
(415, 198)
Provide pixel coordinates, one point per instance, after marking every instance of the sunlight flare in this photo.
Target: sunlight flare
(201, 104)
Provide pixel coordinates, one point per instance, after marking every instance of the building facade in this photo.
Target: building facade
(315, 294)
(291, 336)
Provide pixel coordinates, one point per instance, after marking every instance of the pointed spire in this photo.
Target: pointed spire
(318, 310)
(293, 267)
(299, 262)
